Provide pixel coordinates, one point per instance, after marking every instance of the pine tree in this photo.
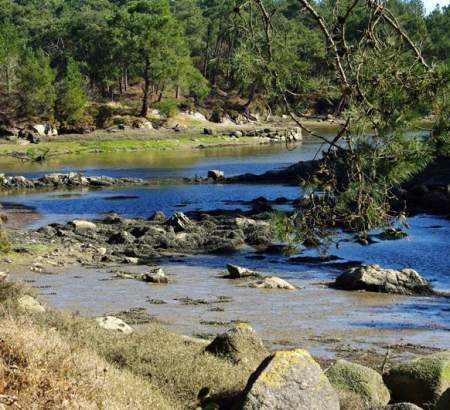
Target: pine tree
(36, 85)
(72, 98)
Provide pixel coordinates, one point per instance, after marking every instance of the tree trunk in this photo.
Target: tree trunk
(125, 78)
(251, 95)
(144, 110)
(178, 92)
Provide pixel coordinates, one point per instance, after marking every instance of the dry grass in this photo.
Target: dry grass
(45, 371)
(57, 360)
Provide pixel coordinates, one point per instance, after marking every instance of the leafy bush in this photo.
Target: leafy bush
(168, 107)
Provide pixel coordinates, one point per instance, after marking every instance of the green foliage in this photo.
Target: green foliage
(72, 98)
(168, 107)
(36, 85)
(10, 43)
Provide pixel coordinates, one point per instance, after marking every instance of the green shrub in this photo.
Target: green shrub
(167, 107)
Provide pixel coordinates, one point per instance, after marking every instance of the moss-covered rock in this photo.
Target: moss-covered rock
(289, 380)
(421, 381)
(357, 386)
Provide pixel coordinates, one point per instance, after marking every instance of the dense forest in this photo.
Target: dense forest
(58, 57)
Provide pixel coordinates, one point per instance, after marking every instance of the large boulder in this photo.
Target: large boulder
(114, 324)
(289, 380)
(237, 272)
(421, 381)
(272, 282)
(358, 386)
(239, 344)
(373, 278)
(444, 401)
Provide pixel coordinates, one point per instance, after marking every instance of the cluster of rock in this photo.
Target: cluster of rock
(57, 180)
(374, 278)
(32, 134)
(292, 380)
(265, 135)
(140, 240)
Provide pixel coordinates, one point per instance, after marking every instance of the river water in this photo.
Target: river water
(293, 318)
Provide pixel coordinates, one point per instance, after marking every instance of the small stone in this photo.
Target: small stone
(4, 276)
(237, 272)
(115, 324)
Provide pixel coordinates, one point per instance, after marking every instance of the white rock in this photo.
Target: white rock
(115, 324)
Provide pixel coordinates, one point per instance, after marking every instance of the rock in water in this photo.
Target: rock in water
(237, 272)
(289, 380)
(239, 344)
(30, 304)
(373, 278)
(155, 276)
(358, 386)
(115, 324)
(215, 174)
(421, 381)
(272, 282)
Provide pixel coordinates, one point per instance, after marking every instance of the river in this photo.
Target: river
(297, 318)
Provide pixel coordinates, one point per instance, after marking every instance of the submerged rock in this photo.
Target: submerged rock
(358, 386)
(421, 381)
(289, 380)
(373, 278)
(239, 344)
(114, 324)
(272, 282)
(237, 272)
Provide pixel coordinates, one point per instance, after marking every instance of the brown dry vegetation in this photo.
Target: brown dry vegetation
(56, 360)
